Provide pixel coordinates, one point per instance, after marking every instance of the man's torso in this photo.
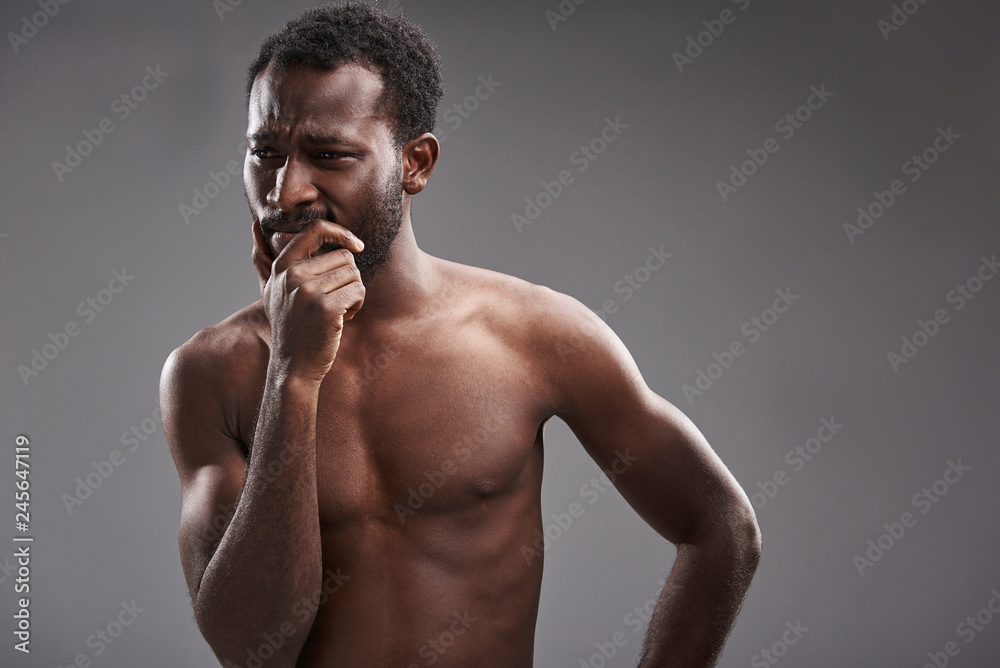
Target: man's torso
(429, 468)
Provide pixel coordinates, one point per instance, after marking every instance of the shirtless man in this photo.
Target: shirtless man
(360, 450)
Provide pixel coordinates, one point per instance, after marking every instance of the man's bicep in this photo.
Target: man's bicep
(660, 462)
(210, 463)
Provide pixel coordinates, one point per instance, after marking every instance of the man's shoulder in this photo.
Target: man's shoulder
(225, 351)
(534, 314)
(570, 353)
(492, 292)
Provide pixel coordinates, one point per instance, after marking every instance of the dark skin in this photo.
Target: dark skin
(301, 425)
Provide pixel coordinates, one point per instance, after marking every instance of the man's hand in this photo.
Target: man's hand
(308, 296)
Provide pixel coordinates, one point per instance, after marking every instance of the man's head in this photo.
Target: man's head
(340, 102)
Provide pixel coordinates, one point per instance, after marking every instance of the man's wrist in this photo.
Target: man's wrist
(284, 375)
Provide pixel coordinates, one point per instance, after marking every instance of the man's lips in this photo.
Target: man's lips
(279, 240)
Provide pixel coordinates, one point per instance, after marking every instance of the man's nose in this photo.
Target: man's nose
(292, 187)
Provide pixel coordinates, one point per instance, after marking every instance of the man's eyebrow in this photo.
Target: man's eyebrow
(324, 139)
(264, 136)
(260, 137)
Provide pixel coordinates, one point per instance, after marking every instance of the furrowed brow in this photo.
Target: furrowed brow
(316, 139)
(325, 139)
(260, 137)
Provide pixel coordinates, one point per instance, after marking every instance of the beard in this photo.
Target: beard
(377, 223)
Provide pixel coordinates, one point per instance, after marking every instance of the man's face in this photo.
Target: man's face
(318, 149)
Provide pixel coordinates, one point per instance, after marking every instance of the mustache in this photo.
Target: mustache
(271, 222)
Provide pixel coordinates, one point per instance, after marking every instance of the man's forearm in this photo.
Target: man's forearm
(700, 600)
(270, 555)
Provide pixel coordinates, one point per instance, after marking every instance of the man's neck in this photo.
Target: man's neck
(402, 284)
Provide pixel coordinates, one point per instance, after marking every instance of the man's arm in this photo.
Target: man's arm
(245, 582)
(675, 481)
(269, 557)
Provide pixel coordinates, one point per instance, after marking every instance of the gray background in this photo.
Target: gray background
(827, 356)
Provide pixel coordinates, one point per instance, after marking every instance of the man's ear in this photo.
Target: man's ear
(419, 157)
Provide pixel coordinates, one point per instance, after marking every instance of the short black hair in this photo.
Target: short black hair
(331, 35)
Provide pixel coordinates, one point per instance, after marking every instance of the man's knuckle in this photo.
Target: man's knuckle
(306, 291)
(295, 274)
(347, 273)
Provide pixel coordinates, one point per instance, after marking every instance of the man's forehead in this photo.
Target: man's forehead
(311, 100)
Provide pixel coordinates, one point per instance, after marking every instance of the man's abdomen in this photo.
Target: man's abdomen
(442, 588)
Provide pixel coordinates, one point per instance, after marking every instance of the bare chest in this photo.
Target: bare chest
(423, 426)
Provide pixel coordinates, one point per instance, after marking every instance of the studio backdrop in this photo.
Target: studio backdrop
(787, 211)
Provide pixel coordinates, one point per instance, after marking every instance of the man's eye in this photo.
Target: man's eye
(329, 155)
(261, 153)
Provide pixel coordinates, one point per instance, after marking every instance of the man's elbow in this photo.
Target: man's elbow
(749, 542)
(744, 531)
(735, 537)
